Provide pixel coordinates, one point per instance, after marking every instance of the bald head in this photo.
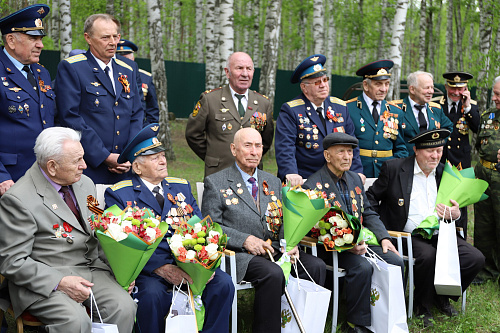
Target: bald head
(247, 149)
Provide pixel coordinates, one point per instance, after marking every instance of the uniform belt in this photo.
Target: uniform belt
(488, 164)
(375, 153)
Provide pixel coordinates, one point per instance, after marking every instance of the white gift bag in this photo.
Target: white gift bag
(181, 318)
(311, 302)
(447, 279)
(387, 298)
(100, 327)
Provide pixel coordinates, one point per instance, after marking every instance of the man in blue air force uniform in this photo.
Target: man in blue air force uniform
(304, 122)
(107, 112)
(377, 121)
(26, 96)
(151, 187)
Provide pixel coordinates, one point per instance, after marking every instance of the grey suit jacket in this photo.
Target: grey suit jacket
(368, 217)
(32, 258)
(242, 219)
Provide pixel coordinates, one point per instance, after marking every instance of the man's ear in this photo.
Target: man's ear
(233, 149)
(52, 168)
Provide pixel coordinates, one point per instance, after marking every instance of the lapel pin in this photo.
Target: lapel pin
(54, 206)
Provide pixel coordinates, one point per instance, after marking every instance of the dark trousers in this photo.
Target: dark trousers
(424, 252)
(269, 283)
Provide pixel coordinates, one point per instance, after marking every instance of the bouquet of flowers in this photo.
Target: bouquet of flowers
(128, 237)
(197, 247)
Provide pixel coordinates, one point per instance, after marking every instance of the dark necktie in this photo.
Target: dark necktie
(252, 181)
(319, 110)
(158, 196)
(453, 108)
(421, 118)
(71, 204)
(241, 109)
(345, 195)
(31, 77)
(375, 112)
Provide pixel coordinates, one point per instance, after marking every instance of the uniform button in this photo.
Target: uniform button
(117, 117)
(116, 147)
(449, 139)
(458, 139)
(44, 122)
(116, 103)
(376, 142)
(375, 161)
(128, 96)
(117, 132)
(449, 147)
(376, 133)
(41, 106)
(18, 97)
(458, 147)
(97, 93)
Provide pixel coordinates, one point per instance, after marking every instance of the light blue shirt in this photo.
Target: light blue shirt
(16, 63)
(246, 177)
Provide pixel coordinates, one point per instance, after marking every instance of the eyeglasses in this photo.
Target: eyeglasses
(318, 82)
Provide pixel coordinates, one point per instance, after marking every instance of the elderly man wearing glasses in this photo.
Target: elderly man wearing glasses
(306, 120)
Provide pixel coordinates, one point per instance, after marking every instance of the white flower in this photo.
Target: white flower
(324, 237)
(342, 223)
(212, 235)
(175, 245)
(128, 213)
(187, 236)
(334, 232)
(155, 221)
(212, 251)
(151, 232)
(126, 223)
(190, 255)
(339, 221)
(348, 238)
(176, 238)
(339, 241)
(116, 232)
(197, 227)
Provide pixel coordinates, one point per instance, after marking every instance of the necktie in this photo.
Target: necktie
(319, 110)
(375, 112)
(71, 204)
(453, 108)
(158, 196)
(345, 195)
(241, 109)
(31, 77)
(252, 181)
(421, 118)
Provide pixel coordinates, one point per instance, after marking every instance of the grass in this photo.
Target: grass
(483, 302)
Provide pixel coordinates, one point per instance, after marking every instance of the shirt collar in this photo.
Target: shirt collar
(448, 99)
(417, 170)
(368, 100)
(56, 186)
(334, 176)
(15, 62)
(412, 103)
(101, 63)
(234, 92)
(245, 175)
(151, 186)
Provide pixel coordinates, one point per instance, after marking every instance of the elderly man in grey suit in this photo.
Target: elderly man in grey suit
(48, 253)
(245, 201)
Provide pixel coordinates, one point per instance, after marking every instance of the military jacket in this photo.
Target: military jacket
(384, 136)
(488, 137)
(149, 100)
(300, 134)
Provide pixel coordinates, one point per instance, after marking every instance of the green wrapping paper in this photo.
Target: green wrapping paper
(460, 186)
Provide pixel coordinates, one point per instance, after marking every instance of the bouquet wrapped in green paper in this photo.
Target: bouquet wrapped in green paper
(461, 186)
(197, 247)
(301, 210)
(128, 237)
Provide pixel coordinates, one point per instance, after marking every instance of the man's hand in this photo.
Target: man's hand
(359, 248)
(294, 254)
(294, 179)
(173, 274)
(113, 165)
(76, 287)
(454, 210)
(363, 178)
(466, 98)
(388, 246)
(498, 157)
(131, 287)
(256, 246)
(5, 185)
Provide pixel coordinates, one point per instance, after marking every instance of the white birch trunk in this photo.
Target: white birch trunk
(212, 51)
(226, 36)
(158, 70)
(54, 23)
(256, 37)
(421, 43)
(397, 40)
(200, 40)
(65, 25)
(318, 29)
(332, 38)
(450, 56)
(485, 31)
(437, 35)
(131, 25)
(381, 50)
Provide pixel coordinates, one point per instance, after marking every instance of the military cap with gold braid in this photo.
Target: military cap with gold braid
(27, 20)
(144, 143)
(125, 47)
(311, 67)
(457, 79)
(430, 138)
(377, 70)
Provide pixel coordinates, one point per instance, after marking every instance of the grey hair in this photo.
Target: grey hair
(139, 159)
(49, 143)
(496, 80)
(368, 80)
(412, 78)
(88, 26)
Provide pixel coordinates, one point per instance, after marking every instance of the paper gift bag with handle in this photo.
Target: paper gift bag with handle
(181, 318)
(100, 327)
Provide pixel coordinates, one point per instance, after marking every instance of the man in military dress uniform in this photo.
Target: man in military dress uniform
(98, 96)
(222, 111)
(377, 122)
(487, 212)
(304, 122)
(420, 114)
(127, 49)
(151, 187)
(26, 99)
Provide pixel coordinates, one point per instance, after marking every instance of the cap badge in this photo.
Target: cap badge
(456, 78)
(38, 23)
(155, 128)
(155, 140)
(317, 67)
(314, 58)
(382, 71)
(435, 136)
(41, 11)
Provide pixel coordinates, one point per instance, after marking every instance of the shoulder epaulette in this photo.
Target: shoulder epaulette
(175, 180)
(435, 105)
(122, 184)
(296, 102)
(473, 102)
(438, 99)
(76, 58)
(337, 101)
(393, 103)
(396, 101)
(351, 100)
(145, 72)
(258, 93)
(210, 90)
(123, 64)
(40, 64)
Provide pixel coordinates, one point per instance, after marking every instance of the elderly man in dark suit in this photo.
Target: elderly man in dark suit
(245, 200)
(151, 187)
(49, 254)
(405, 194)
(346, 188)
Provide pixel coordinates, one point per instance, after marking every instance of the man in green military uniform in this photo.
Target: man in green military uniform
(487, 212)
(376, 121)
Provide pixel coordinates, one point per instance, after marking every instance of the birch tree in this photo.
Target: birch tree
(381, 50)
(212, 51)
(158, 71)
(267, 84)
(226, 36)
(485, 31)
(200, 56)
(318, 30)
(54, 23)
(397, 40)
(332, 37)
(65, 28)
(450, 56)
(421, 42)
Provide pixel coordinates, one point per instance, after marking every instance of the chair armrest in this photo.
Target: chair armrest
(309, 241)
(398, 233)
(229, 253)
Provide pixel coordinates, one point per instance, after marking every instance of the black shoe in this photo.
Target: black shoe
(358, 329)
(478, 280)
(428, 319)
(445, 307)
